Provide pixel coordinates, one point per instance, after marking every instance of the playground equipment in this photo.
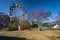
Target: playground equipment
(12, 13)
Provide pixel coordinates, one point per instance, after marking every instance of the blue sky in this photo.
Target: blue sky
(48, 5)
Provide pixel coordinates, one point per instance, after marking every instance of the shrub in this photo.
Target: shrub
(34, 25)
(43, 28)
(12, 27)
(26, 26)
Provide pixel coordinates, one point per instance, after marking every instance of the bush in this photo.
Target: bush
(26, 26)
(34, 25)
(43, 28)
(12, 27)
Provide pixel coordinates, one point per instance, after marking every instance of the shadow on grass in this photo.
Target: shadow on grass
(11, 38)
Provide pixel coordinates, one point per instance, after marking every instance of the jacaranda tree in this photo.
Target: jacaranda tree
(4, 19)
(57, 18)
(40, 16)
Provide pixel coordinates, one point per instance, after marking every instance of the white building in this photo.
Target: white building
(56, 26)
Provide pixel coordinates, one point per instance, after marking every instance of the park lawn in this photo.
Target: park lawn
(35, 34)
(41, 35)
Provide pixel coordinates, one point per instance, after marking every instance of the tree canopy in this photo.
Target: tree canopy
(40, 15)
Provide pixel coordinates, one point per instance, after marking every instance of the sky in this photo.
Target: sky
(32, 5)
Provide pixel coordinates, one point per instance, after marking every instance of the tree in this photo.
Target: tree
(40, 16)
(47, 24)
(57, 18)
(4, 19)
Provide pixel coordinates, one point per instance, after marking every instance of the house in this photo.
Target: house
(56, 26)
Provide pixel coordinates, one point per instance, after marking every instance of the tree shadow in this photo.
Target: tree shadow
(11, 38)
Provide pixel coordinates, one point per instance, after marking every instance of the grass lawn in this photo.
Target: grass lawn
(36, 34)
(41, 35)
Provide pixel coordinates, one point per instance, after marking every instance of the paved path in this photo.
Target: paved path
(15, 33)
(2, 31)
(12, 36)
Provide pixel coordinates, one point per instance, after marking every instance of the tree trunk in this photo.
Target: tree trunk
(40, 25)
